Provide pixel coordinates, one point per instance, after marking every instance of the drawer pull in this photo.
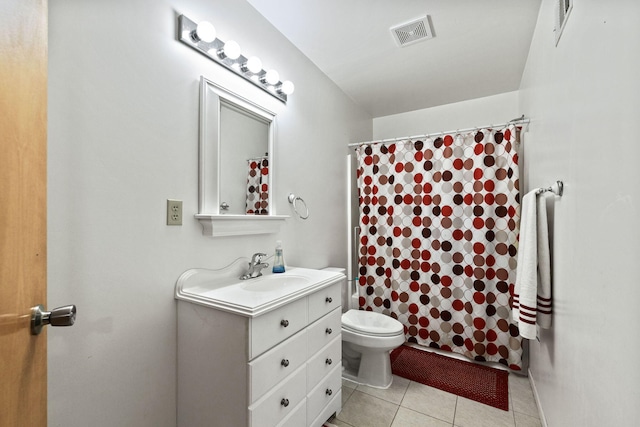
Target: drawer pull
(329, 392)
(328, 361)
(284, 402)
(285, 362)
(284, 323)
(329, 300)
(328, 331)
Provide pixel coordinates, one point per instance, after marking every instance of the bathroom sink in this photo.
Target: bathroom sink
(273, 282)
(222, 289)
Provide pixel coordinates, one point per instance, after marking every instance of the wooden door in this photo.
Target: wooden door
(23, 210)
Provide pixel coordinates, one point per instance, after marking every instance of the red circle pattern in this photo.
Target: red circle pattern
(439, 228)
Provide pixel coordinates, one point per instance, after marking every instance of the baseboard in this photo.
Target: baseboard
(543, 420)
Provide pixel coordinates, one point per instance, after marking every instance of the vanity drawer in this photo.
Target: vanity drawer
(276, 326)
(323, 331)
(274, 365)
(297, 417)
(323, 362)
(324, 393)
(334, 407)
(325, 300)
(270, 409)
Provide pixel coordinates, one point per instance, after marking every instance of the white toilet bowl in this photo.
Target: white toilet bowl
(367, 339)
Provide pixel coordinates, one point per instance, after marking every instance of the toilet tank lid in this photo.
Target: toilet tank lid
(370, 322)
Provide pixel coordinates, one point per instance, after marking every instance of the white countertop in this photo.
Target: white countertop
(223, 290)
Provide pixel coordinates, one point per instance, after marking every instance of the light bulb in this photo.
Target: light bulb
(272, 77)
(287, 87)
(231, 50)
(205, 31)
(253, 64)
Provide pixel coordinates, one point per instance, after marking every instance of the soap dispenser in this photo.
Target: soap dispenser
(278, 261)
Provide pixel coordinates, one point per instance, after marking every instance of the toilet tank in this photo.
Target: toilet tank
(349, 297)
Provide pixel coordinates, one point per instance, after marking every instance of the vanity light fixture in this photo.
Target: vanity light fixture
(230, 50)
(253, 65)
(202, 37)
(286, 87)
(204, 31)
(271, 77)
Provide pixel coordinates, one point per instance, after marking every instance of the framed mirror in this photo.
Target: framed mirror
(235, 164)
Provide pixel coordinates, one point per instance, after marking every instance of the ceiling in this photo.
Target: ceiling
(479, 49)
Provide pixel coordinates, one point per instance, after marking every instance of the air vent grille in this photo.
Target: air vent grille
(412, 32)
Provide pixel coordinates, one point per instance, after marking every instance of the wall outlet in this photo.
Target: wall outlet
(174, 212)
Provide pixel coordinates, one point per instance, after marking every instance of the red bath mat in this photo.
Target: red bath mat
(476, 382)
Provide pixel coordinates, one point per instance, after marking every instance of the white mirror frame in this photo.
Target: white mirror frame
(213, 222)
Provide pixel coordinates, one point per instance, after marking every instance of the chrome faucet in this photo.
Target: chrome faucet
(255, 265)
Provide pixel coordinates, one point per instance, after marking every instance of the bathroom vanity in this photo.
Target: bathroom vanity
(260, 352)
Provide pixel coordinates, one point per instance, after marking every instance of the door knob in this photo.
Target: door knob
(61, 316)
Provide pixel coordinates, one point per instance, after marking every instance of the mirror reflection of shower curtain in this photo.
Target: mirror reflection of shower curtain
(439, 224)
(258, 186)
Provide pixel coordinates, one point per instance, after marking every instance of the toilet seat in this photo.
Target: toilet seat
(371, 323)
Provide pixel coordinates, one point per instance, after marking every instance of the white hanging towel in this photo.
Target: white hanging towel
(532, 295)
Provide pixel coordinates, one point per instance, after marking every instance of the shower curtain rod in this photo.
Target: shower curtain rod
(518, 121)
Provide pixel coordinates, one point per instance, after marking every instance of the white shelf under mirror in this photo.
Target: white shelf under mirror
(218, 225)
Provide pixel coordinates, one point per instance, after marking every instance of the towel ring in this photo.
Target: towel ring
(296, 201)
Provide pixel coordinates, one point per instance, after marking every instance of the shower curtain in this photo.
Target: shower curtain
(258, 186)
(439, 224)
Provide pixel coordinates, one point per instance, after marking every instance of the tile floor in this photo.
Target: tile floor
(410, 404)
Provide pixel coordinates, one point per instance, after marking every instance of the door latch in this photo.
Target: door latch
(61, 316)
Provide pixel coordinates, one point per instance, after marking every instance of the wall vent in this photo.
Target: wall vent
(412, 32)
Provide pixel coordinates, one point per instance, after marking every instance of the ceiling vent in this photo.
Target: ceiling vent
(412, 32)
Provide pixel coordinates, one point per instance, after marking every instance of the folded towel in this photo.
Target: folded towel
(532, 294)
(543, 317)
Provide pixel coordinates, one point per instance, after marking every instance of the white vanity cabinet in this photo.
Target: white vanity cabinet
(279, 367)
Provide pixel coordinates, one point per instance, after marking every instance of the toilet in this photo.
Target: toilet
(367, 339)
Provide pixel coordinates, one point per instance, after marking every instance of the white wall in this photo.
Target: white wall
(583, 98)
(123, 138)
(489, 110)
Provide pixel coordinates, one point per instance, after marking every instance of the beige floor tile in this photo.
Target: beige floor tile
(518, 381)
(430, 401)
(346, 393)
(523, 420)
(339, 423)
(393, 394)
(470, 413)
(522, 399)
(348, 384)
(407, 418)
(426, 406)
(363, 410)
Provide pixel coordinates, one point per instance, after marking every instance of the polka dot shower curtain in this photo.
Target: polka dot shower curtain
(439, 225)
(258, 186)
